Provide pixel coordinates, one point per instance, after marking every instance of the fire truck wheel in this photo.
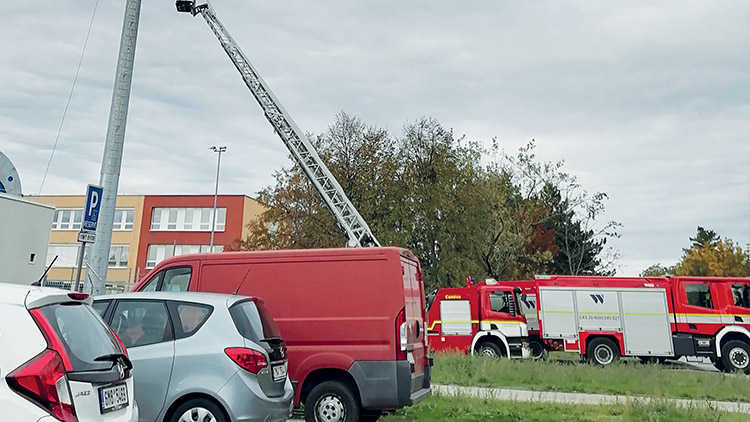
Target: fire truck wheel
(490, 349)
(602, 351)
(537, 349)
(735, 355)
(331, 401)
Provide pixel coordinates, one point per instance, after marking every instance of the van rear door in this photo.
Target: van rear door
(416, 349)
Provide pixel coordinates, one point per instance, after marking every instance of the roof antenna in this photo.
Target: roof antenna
(39, 282)
(242, 282)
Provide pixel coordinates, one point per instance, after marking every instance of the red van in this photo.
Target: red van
(353, 320)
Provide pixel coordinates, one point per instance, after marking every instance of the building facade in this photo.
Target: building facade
(147, 229)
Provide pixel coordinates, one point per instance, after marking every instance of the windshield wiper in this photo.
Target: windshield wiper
(273, 340)
(116, 357)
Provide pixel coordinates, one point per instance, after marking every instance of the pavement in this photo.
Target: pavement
(512, 394)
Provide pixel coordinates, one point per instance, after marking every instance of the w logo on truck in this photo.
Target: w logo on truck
(597, 298)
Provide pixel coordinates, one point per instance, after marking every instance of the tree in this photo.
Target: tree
(721, 258)
(704, 237)
(657, 270)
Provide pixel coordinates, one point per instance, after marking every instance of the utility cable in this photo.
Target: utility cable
(70, 96)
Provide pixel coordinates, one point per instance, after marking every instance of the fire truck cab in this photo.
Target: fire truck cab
(604, 318)
(482, 318)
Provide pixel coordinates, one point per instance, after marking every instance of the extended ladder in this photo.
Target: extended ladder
(347, 217)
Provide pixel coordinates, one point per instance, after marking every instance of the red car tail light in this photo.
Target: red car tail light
(42, 380)
(247, 359)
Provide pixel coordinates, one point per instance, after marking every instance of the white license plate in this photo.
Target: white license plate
(279, 372)
(113, 398)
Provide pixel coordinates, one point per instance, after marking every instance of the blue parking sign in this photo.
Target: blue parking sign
(91, 210)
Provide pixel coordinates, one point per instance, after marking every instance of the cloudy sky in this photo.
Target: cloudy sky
(648, 103)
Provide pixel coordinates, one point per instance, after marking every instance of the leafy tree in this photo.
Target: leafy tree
(657, 270)
(721, 258)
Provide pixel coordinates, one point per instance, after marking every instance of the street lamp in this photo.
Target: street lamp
(216, 191)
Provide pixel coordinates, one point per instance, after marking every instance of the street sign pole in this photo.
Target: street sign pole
(81, 252)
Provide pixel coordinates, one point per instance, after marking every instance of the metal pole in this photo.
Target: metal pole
(216, 193)
(81, 252)
(112, 159)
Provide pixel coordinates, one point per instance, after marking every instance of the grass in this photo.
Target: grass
(625, 378)
(460, 409)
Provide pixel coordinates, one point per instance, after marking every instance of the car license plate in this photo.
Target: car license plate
(113, 398)
(279, 372)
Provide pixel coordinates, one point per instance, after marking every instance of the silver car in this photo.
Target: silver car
(201, 356)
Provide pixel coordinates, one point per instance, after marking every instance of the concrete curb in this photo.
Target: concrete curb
(511, 394)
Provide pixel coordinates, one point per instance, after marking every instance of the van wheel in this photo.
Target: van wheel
(537, 349)
(735, 355)
(198, 410)
(489, 349)
(331, 401)
(602, 351)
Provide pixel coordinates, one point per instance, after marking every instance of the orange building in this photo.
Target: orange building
(147, 229)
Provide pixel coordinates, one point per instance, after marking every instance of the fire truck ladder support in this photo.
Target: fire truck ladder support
(347, 217)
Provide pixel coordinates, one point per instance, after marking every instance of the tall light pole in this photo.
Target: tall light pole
(216, 191)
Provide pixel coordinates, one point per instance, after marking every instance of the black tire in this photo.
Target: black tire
(538, 350)
(602, 351)
(489, 349)
(198, 407)
(331, 401)
(735, 356)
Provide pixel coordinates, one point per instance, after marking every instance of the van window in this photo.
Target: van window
(740, 292)
(152, 284)
(176, 279)
(699, 294)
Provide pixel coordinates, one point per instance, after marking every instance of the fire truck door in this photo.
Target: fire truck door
(739, 309)
(699, 313)
(499, 312)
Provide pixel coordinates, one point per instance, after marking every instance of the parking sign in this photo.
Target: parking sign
(91, 211)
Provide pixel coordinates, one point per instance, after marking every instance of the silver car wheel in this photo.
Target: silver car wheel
(739, 358)
(330, 408)
(197, 414)
(603, 354)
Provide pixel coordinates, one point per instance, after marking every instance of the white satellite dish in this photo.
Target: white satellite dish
(10, 183)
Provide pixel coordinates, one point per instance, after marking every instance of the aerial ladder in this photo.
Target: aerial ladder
(347, 217)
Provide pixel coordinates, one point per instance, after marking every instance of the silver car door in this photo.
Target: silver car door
(146, 331)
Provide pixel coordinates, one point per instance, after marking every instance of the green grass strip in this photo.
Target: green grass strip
(458, 409)
(625, 378)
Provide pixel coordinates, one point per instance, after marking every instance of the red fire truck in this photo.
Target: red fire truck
(604, 318)
(482, 318)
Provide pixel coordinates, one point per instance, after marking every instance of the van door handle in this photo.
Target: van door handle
(738, 319)
(692, 326)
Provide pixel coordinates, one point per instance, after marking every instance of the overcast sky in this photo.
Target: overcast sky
(648, 103)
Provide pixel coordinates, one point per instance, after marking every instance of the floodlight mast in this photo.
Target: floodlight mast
(347, 217)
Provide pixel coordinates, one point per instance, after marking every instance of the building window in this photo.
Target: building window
(67, 256)
(123, 219)
(67, 219)
(157, 253)
(118, 256)
(187, 219)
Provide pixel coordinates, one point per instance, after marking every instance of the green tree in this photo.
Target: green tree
(720, 259)
(704, 237)
(657, 270)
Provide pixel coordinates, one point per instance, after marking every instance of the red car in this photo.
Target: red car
(353, 320)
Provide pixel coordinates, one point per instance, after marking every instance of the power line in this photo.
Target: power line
(70, 96)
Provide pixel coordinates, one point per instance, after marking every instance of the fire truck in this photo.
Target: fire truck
(605, 318)
(482, 318)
